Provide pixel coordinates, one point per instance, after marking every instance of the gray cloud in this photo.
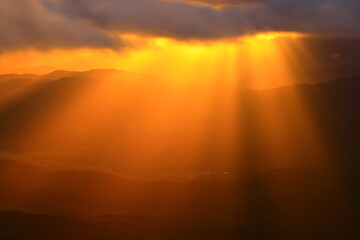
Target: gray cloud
(45, 24)
(220, 3)
(151, 17)
(28, 24)
(182, 20)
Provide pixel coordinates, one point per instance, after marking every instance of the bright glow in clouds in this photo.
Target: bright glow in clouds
(227, 59)
(197, 112)
(178, 61)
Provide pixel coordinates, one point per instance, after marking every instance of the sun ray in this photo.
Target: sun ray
(203, 80)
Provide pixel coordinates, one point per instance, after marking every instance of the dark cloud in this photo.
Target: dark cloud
(28, 24)
(151, 17)
(45, 24)
(221, 3)
(182, 20)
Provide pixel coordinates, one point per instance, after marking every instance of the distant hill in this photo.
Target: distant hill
(134, 101)
(28, 188)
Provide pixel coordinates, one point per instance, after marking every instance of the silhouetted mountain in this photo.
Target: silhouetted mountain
(7, 77)
(332, 107)
(56, 75)
(94, 192)
(129, 97)
(307, 190)
(303, 204)
(59, 227)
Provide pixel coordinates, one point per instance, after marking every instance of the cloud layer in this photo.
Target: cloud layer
(221, 3)
(45, 24)
(184, 20)
(28, 24)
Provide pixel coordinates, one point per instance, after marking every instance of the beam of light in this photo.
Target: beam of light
(200, 84)
(187, 107)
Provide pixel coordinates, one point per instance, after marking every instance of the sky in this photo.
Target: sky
(209, 49)
(182, 105)
(143, 36)
(68, 24)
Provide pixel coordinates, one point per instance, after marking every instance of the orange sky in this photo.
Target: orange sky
(202, 78)
(268, 55)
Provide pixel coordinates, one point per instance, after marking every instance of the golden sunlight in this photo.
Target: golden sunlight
(177, 61)
(174, 85)
(229, 59)
(179, 119)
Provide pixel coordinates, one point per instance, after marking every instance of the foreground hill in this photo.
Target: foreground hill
(300, 204)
